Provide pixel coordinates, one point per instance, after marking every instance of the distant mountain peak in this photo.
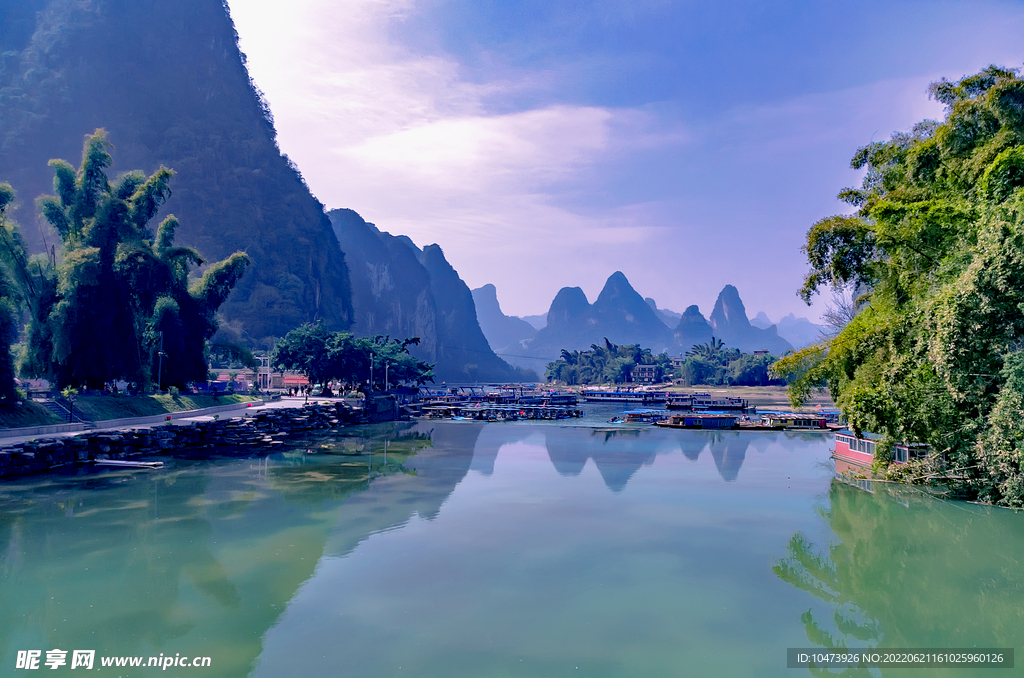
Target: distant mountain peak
(502, 331)
(730, 323)
(617, 287)
(729, 311)
(691, 316)
(620, 303)
(761, 320)
(569, 305)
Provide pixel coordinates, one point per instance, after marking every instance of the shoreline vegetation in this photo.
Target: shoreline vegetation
(708, 364)
(929, 274)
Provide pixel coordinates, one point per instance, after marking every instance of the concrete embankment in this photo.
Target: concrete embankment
(260, 432)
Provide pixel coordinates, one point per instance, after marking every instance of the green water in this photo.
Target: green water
(464, 549)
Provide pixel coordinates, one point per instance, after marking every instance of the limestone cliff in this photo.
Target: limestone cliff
(401, 291)
(169, 84)
(504, 333)
(729, 323)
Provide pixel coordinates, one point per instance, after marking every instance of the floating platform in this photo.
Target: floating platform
(487, 412)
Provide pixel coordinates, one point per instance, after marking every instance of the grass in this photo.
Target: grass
(27, 414)
(99, 408)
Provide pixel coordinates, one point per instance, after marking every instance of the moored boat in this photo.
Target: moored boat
(644, 416)
(701, 420)
(624, 396)
(704, 401)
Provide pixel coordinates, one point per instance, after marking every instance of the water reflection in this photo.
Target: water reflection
(906, 570)
(202, 557)
(618, 453)
(729, 450)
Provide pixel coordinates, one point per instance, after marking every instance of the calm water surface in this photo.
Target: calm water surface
(466, 549)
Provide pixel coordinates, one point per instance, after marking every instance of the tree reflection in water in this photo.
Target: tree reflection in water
(910, 571)
(204, 556)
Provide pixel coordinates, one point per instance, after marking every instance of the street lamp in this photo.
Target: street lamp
(387, 384)
(371, 373)
(160, 365)
(160, 372)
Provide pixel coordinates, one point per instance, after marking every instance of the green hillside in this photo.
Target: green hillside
(169, 84)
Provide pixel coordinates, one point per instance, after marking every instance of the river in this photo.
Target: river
(441, 548)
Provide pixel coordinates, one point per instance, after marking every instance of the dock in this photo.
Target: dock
(500, 412)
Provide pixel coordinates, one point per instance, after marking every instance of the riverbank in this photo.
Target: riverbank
(262, 430)
(104, 407)
(107, 407)
(27, 414)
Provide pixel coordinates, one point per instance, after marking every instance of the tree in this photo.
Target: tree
(116, 296)
(712, 351)
(605, 364)
(9, 324)
(935, 252)
(324, 356)
(309, 349)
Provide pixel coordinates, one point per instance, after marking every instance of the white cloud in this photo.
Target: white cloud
(536, 198)
(400, 138)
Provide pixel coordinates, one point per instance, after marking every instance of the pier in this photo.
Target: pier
(501, 412)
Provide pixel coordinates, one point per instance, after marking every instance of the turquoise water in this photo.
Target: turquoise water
(454, 549)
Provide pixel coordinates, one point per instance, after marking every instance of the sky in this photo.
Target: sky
(547, 144)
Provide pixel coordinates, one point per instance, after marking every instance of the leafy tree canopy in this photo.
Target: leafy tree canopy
(935, 255)
(116, 295)
(325, 356)
(607, 364)
(9, 303)
(712, 363)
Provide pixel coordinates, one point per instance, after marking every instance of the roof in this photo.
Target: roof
(866, 435)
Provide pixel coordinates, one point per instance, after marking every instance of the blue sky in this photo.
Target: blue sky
(549, 144)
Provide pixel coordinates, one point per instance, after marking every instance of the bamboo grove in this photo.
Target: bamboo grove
(115, 294)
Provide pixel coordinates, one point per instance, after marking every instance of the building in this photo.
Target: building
(645, 374)
(857, 455)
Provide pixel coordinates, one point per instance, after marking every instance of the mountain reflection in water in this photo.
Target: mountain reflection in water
(619, 453)
(204, 557)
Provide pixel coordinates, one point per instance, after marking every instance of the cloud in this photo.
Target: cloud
(529, 179)
(402, 139)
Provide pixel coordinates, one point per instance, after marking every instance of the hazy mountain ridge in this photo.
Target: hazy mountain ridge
(670, 318)
(403, 291)
(800, 332)
(619, 313)
(503, 332)
(537, 321)
(169, 84)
